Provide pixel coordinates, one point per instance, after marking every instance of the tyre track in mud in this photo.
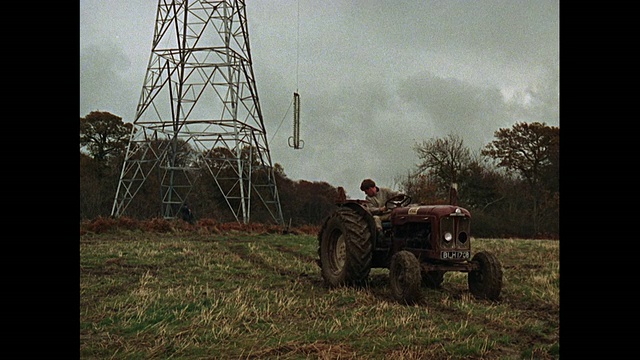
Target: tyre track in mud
(302, 257)
(244, 253)
(378, 284)
(121, 268)
(523, 337)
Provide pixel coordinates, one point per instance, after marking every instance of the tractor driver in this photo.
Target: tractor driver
(376, 199)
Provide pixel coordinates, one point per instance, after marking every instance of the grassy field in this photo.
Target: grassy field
(237, 295)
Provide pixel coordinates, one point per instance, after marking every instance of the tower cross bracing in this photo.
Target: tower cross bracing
(199, 116)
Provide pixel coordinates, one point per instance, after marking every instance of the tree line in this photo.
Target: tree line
(511, 186)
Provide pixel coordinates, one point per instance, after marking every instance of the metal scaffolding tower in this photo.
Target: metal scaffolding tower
(198, 117)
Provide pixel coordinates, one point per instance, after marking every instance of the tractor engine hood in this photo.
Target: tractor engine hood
(422, 213)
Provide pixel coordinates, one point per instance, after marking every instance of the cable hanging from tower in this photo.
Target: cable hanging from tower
(294, 140)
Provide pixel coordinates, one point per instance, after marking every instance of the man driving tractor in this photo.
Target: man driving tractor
(376, 199)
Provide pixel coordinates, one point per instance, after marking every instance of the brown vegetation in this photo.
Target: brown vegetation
(203, 226)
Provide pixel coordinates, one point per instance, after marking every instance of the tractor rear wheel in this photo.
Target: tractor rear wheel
(486, 282)
(345, 248)
(404, 276)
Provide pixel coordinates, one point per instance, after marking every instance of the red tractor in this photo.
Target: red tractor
(418, 245)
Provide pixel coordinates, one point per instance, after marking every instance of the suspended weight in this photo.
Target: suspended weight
(294, 141)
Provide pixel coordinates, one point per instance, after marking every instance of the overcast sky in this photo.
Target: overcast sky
(374, 77)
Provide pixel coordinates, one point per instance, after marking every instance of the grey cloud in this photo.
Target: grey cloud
(374, 76)
(455, 106)
(104, 84)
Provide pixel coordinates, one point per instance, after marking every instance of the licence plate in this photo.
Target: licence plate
(454, 255)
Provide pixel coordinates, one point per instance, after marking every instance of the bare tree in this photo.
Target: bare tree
(444, 159)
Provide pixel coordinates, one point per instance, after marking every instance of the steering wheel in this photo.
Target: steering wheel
(398, 201)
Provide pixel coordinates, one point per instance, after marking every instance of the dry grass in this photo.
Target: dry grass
(239, 294)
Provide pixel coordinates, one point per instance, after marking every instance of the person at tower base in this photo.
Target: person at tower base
(186, 214)
(376, 199)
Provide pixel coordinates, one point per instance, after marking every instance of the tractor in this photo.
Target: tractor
(419, 244)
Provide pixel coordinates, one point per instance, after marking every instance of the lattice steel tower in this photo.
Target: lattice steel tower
(198, 117)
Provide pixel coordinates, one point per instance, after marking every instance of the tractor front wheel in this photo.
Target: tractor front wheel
(405, 278)
(486, 282)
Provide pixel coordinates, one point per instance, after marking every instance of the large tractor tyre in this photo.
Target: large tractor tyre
(345, 248)
(486, 282)
(432, 279)
(404, 276)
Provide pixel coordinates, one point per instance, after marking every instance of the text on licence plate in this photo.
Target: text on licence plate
(455, 255)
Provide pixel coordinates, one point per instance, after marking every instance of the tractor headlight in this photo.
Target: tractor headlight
(448, 236)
